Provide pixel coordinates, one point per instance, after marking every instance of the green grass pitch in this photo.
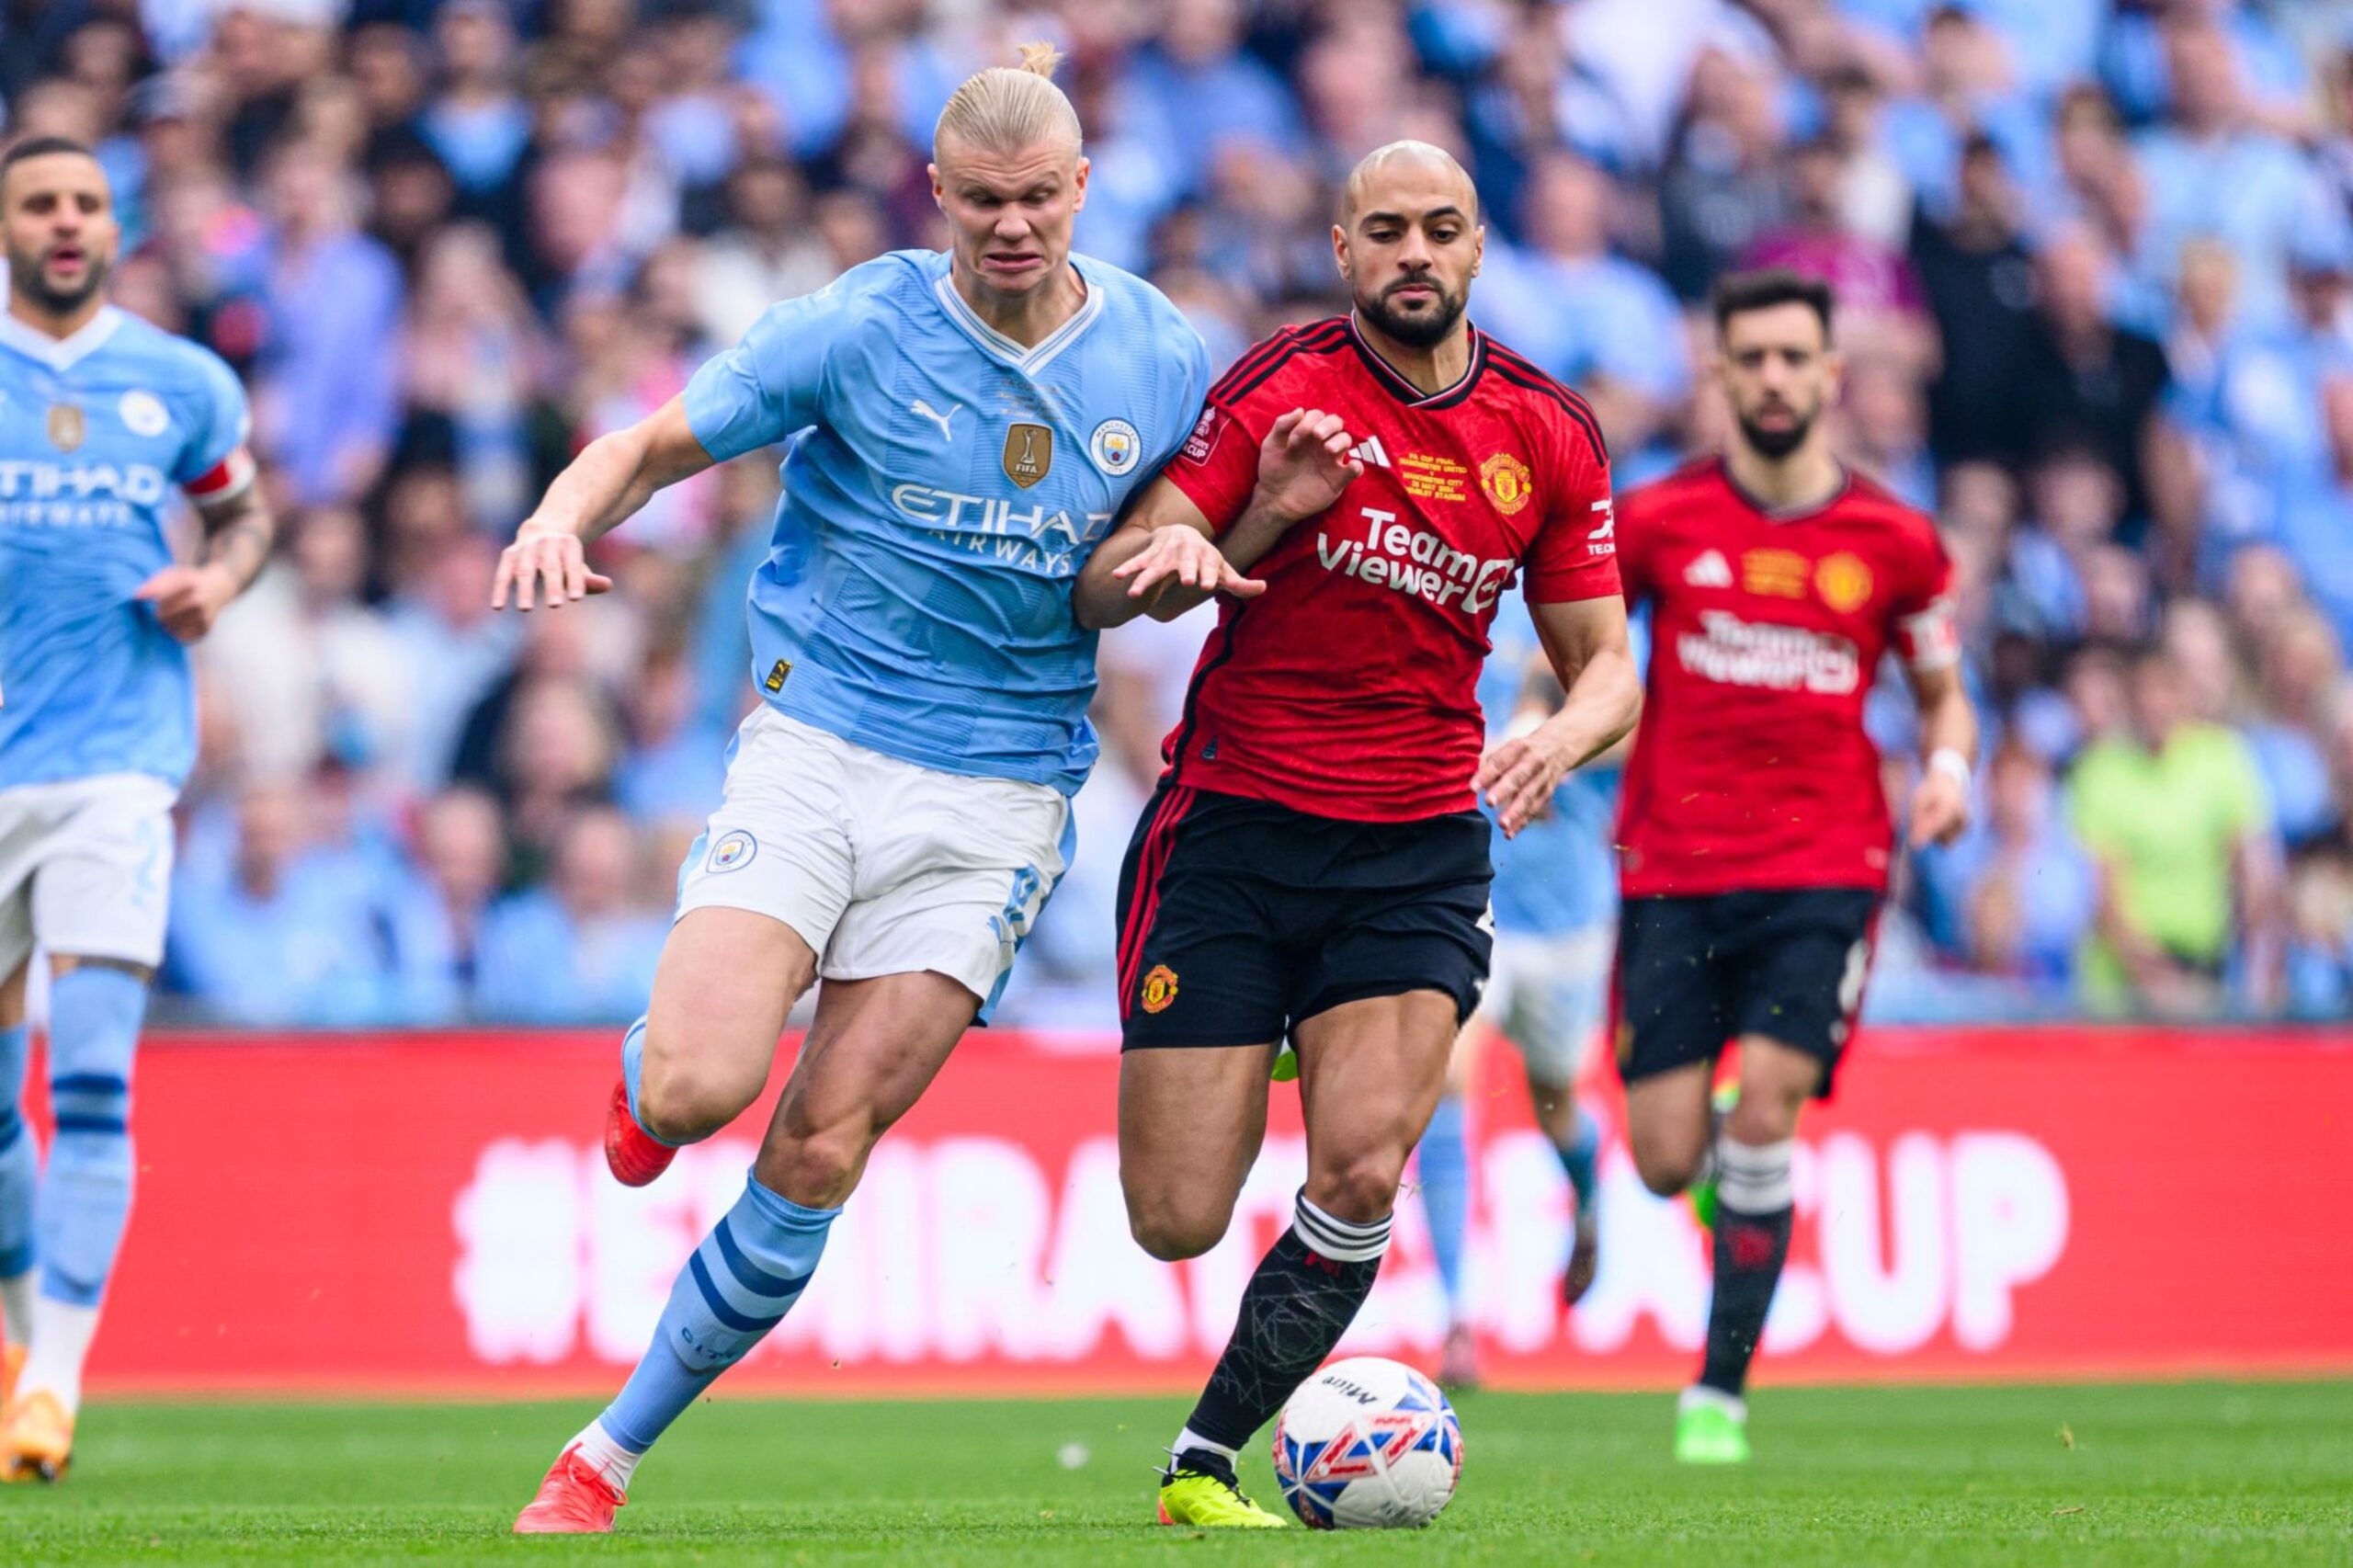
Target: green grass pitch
(2189, 1472)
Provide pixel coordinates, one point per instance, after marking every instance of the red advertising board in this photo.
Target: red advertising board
(414, 1214)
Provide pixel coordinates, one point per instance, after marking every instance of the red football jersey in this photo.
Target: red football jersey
(1348, 690)
(1752, 768)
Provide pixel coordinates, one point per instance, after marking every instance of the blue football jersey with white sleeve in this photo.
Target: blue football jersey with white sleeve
(97, 431)
(942, 486)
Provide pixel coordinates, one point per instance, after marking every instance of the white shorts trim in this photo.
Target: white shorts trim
(883, 867)
(85, 868)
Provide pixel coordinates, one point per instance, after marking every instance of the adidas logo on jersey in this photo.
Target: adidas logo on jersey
(1710, 570)
(1369, 452)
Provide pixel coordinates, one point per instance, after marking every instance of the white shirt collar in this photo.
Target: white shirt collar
(59, 353)
(1031, 358)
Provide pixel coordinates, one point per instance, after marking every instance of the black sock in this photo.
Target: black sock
(1754, 1210)
(1302, 1298)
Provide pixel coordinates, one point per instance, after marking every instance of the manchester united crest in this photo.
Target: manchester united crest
(1159, 988)
(1844, 582)
(67, 425)
(1507, 483)
(1028, 453)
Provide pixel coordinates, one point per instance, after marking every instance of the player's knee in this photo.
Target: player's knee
(818, 1169)
(1668, 1171)
(1172, 1230)
(681, 1103)
(1359, 1188)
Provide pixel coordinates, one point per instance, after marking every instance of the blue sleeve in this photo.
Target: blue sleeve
(1179, 414)
(771, 385)
(219, 421)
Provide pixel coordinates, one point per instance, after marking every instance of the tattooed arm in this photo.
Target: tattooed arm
(238, 533)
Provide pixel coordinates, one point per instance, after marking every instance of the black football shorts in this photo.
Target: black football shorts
(1695, 973)
(1240, 917)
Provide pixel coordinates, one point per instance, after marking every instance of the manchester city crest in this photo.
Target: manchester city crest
(1116, 447)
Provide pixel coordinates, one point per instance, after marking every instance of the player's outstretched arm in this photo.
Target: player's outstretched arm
(1303, 465)
(239, 532)
(1162, 553)
(1947, 754)
(1585, 640)
(613, 476)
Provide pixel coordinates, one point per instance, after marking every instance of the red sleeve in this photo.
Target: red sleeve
(1927, 628)
(1217, 467)
(1574, 553)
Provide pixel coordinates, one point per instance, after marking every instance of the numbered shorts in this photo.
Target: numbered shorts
(85, 868)
(1695, 973)
(1548, 995)
(1241, 917)
(882, 866)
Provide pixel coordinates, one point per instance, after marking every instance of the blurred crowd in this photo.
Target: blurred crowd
(2096, 265)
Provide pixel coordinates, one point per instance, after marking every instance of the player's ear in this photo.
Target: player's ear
(1340, 252)
(938, 186)
(1834, 377)
(1478, 248)
(1079, 182)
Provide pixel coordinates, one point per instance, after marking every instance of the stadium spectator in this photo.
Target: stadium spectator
(1977, 278)
(580, 949)
(2174, 811)
(2087, 381)
(1588, 316)
(270, 934)
(326, 382)
(2213, 169)
(2018, 895)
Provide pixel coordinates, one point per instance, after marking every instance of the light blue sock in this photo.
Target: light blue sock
(19, 1161)
(1445, 1195)
(1580, 1158)
(632, 1069)
(737, 1285)
(94, 1015)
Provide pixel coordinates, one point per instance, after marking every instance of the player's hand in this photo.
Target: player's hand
(188, 599)
(550, 554)
(1517, 777)
(1303, 464)
(1179, 553)
(1940, 809)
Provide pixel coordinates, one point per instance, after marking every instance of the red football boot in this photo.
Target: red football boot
(634, 1156)
(573, 1500)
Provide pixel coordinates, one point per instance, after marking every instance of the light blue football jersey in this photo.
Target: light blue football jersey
(97, 433)
(1561, 874)
(942, 487)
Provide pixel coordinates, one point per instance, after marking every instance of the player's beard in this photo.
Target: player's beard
(1426, 331)
(1776, 444)
(28, 273)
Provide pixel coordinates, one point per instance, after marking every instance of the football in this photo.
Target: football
(1367, 1444)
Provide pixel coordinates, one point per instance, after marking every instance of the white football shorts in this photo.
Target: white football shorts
(1547, 995)
(883, 867)
(85, 868)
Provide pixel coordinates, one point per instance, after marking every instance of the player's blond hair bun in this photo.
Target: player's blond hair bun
(1009, 107)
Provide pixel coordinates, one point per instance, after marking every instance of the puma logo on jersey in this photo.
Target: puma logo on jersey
(924, 408)
(1369, 453)
(1710, 570)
